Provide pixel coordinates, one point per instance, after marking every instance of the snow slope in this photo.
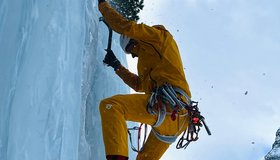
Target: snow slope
(52, 79)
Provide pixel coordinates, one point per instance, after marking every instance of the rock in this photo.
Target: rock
(274, 153)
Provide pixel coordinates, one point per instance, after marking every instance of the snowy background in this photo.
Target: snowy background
(231, 55)
(52, 76)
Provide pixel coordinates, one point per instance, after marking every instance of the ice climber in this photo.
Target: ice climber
(160, 70)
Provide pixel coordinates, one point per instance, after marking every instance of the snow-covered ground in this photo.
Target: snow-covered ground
(52, 79)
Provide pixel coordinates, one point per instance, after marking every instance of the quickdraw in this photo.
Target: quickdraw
(196, 121)
(139, 149)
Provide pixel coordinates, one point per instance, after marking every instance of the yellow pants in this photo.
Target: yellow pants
(116, 110)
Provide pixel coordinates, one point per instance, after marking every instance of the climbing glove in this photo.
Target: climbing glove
(111, 60)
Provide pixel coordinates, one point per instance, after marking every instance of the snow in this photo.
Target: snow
(52, 79)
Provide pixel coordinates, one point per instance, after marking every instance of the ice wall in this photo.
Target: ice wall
(99, 82)
(52, 79)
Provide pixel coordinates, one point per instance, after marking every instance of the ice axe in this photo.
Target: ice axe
(110, 58)
(109, 45)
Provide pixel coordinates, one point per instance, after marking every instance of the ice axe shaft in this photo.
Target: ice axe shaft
(109, 45)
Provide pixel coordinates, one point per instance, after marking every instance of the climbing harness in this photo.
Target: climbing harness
(168, 95)
(139, 137)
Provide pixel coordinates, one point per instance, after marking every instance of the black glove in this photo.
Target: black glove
(100, 1)
(111, 60)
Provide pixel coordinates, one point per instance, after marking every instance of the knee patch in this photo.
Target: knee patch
(108, 106)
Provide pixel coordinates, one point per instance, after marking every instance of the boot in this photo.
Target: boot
(116, 157)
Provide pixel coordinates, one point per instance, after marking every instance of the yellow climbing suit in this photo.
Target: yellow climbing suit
(159, 62)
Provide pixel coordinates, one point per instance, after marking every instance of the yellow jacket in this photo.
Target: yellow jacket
(159, 61)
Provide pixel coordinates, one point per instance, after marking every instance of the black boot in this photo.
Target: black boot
(116, 157)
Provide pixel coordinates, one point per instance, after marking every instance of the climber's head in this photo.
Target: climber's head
(127, 44)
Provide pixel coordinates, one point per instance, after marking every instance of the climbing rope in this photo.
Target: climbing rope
(169, 95)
